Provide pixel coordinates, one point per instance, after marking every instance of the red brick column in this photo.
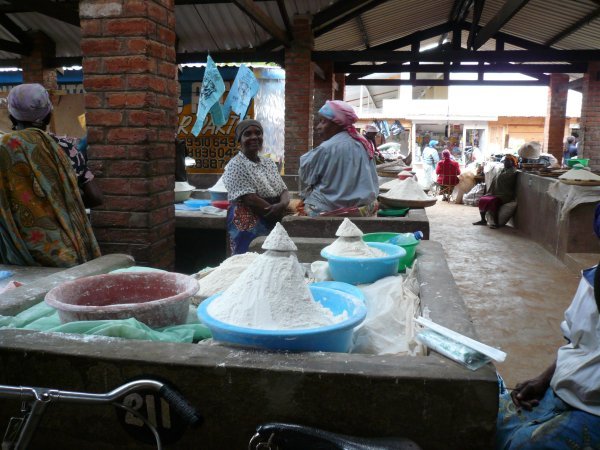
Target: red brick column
(131, 113)
(35, 64)
(554, 125)
(299, 82)
(323, 91)
(589, 146)
(340, 79)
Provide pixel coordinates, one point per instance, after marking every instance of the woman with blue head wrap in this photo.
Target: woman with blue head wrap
(430, 159)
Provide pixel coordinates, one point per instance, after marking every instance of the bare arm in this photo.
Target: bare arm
(528, 394)
(92, 194)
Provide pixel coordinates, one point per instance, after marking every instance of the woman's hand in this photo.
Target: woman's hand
(527, 395)
(275, 211)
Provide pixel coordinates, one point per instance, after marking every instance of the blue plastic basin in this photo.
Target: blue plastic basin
(365, 270)
(332, 338)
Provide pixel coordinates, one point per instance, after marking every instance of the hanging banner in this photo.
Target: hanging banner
(244, 88)
(213, 88)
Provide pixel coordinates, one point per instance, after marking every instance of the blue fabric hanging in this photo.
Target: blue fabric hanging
(244, 88)
(213, 88)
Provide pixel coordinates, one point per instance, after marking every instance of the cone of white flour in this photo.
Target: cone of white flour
(350, 244)
(271, 294)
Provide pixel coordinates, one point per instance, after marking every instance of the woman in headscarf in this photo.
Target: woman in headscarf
(447, 172)
(430, 159)
(502, 190)
(42, 217)
(339, 177)
(257, 193)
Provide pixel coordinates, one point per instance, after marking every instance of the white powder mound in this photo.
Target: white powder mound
(353, 247)
(348, 229)
(278, 239)
(408, 189)
(223, 276)
(272, 295)
(389, 184)
(579, 174)
(219, 186)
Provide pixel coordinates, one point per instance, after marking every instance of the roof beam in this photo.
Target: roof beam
(363, 70)
(285, 17)
(574, 27)
(64, 12)
(442, 82)
(259, 16)
(415, 37)
(456, 56)
(20, 34)
(510, 8)
(231, 57)
(459, 11)
(13, 47)
(335, 15)
(477, 10)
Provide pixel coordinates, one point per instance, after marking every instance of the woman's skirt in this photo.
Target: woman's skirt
(243, 226)
(489, 203)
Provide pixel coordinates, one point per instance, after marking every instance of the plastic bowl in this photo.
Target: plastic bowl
(197, 202)
(365, 270)
(158, 299)
(410, 249)
(221, 204)
(332, 338)
(583, 161)
(217, 195)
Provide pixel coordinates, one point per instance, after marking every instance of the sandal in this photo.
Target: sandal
(481, 222)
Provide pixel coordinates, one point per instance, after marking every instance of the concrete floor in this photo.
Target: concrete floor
(515, 290)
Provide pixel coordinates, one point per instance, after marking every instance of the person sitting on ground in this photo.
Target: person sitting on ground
(42, 215)
(502, 190)
(258, 195)
(560, 408)
(75, 149)
(339, 176)
(447, 172)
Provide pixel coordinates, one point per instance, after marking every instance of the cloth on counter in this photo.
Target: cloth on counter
(42, 317)
(571, 196)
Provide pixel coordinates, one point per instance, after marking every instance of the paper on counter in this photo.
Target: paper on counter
(494, 353)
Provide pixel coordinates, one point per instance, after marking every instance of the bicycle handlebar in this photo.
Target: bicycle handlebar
(175, 399)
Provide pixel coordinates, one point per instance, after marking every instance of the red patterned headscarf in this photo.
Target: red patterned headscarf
(343, 114)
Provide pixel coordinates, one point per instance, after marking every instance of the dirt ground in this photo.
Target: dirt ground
(515, 290)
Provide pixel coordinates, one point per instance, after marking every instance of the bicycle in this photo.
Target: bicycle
(35, 400)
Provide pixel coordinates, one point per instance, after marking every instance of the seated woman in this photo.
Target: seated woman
(257, 193)
(339, 176)
(42, 216)
(447, 172)
(560, 408)
(502, 190)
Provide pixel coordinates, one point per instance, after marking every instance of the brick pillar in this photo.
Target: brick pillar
(340, 79)
(589, 144)
(323, 91)
(299, 82)
(131, 113)
(554, 125)
(35, 65)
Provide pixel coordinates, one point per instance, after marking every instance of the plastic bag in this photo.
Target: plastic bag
(456, 351)
(388, 327)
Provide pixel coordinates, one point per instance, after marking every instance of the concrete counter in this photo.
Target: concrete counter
(435, 402)
(538, 216)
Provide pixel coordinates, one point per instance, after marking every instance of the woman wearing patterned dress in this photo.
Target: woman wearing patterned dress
(257, 194)
(42, 217)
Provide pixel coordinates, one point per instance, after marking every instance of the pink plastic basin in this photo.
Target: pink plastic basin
(158, 299)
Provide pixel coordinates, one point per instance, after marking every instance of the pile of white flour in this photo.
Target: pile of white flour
(223, 276)
(408, 189)
(271, 294)
(350, 244)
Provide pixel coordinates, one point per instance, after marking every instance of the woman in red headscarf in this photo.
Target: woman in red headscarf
(502, 190)
(447, 171)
